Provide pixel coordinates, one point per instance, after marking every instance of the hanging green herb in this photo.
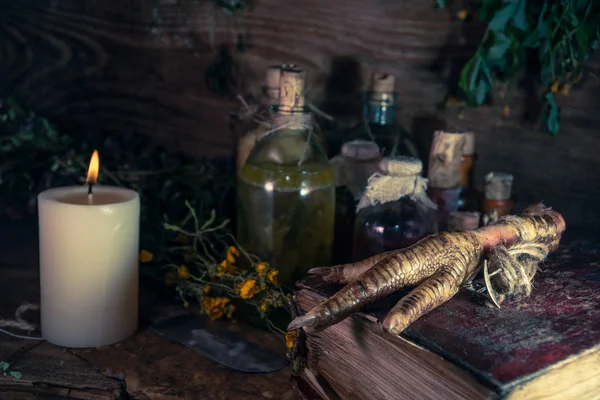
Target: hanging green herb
(559, 34)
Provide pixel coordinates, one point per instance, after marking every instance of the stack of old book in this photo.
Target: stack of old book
(544, 347)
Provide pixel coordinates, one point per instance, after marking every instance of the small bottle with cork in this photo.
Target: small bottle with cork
(443, 173)
(286, 194)
(498, 193)
(379, 113)
(378, 122)
(394, 211)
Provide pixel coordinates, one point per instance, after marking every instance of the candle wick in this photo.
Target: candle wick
(90, 194)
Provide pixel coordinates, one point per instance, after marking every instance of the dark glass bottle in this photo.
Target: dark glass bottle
(286, 195)
(358, 160)
(377, 123)
(379, 114)
(395, 211)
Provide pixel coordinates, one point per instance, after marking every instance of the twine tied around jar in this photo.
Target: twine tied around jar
(508, 271)
(401, 177)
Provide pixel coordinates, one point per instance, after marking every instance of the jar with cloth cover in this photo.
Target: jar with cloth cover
(394, 211)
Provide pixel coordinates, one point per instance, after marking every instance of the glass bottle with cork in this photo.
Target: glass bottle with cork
(443, 173)
(359, 159)
(268, 99)
(377, 123)
(379, 114)
(286, 195)
(498, 193)
(394, 211)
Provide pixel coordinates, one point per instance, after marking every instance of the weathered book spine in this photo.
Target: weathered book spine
(355, 359)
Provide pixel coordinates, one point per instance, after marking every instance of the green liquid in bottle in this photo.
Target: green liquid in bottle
(286, 214)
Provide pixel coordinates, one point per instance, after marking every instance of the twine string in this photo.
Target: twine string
(20, 323)
(508, 272)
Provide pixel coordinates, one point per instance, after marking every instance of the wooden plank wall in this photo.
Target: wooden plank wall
(119, 65)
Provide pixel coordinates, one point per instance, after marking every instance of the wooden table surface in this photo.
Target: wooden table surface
(145, 366)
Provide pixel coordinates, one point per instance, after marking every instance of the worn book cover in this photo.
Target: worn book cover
(545, 346)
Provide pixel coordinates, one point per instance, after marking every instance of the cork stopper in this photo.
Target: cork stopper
(444, 159)
(401, 166)
(382, 83)
(469, 145)
(498, 186)
(360, 150)
(291, 88)
(463, 220)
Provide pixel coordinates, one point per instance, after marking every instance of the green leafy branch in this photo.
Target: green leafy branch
(560, 34)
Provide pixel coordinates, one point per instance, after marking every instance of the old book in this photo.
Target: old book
(546, 346)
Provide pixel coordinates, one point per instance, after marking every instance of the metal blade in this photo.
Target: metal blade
(221, 343)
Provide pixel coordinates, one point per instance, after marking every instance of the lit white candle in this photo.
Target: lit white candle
(89, 246)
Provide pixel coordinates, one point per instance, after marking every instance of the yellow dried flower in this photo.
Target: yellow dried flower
(221, 302)
(225, 267)
(248, 289)
(565, 89)
(290, 337)
(273, 277)
(506, 110)
(183, 272)
(183, 239)
(206, 289)
(452, 101)
(232, 253)
(554, 87)
(462, 15)
(264, 306)
(214, 307)
(146, 256)
(262, 268)
(207, 303)
(170, 279)
(215, 313)
(230, 311)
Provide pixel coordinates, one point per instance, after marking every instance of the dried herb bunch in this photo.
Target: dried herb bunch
(205, 264)
(548, 39)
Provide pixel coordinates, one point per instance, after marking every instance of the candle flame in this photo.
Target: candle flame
(92, 176)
